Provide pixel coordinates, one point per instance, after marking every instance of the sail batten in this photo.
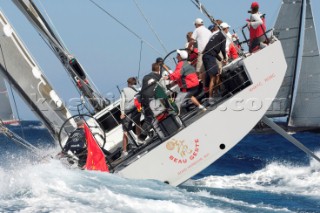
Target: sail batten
(305, 110)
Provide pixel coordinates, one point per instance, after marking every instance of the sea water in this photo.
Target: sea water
(263, 173)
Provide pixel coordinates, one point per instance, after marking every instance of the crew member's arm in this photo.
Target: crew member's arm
(122, 102)
(223, 50)
(176, 74)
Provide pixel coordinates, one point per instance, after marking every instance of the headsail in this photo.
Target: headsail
(305, 110)
(287, 30)
(6, 113)
(18, 67)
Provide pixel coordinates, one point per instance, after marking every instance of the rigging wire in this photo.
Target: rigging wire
(151, 27)
(126, 27)
(66, 51)
(69, 76)
(52, 25)
(141, 45)
(17, 139)
(202, 9)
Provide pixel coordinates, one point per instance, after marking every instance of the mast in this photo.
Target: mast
(201, 7)
(72, 66)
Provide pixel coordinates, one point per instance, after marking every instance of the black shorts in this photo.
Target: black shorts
(191, 92)
(132, 118)
(210, 64)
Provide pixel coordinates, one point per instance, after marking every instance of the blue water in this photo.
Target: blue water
(263, 173)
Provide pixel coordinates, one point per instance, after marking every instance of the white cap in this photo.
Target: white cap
(224, 25)
(198, 21)
(183, 54)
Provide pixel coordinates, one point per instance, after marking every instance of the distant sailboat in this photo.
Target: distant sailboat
(299, 96)
(6, 112)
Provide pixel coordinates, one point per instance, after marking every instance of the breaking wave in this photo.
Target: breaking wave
(276, 177)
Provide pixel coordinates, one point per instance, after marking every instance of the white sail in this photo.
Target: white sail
(18, 67)
(6, 113)
(287, 30)
(305, 110)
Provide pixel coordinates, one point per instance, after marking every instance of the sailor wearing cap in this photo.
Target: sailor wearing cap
(257, 27)
(201, 35)
(187, 79)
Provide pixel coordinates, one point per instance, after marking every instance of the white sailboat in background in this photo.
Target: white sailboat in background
(299, 95)
(6, 112)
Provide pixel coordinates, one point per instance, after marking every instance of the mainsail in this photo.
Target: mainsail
(287, 30)
(299, 95)
(6, 113)
(305, 110)
(18, 67)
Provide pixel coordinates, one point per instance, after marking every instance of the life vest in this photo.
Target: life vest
(193, 56)
(232, 53)
(76, 142)
(256, 33)
(148, 84)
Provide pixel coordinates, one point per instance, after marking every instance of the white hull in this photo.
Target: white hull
(203, 142)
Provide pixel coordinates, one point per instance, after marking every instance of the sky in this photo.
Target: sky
(108, 51)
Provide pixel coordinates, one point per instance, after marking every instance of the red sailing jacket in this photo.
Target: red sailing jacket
(185, 75)
(255, 33)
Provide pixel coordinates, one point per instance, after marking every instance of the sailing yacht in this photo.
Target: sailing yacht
(178, 146)
(299, 96)
(6, 112)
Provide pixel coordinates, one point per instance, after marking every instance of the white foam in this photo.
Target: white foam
(276, 177)
(52, 187)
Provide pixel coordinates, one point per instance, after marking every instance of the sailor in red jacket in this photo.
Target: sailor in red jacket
(257, 27)
(186, 77)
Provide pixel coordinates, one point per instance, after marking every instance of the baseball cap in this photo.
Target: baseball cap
(211, 27)
(198, 21)
(183, 54)
(159, 60)
(224, 25)
(254, 4)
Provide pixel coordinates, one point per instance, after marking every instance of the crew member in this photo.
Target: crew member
(77, 145)
(257, 28)
(186, 77)
(129, 113)
(149, 82)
